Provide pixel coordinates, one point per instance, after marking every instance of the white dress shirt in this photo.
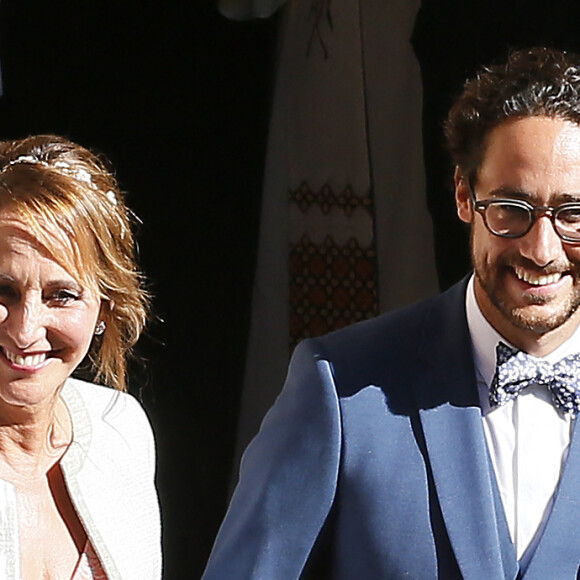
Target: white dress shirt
(527, 437)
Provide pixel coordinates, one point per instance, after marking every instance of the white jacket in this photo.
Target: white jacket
(109, 470)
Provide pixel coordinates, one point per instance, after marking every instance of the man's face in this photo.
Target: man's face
(528, 288)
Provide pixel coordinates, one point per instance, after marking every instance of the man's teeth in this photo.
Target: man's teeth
(31, 360)
(535, 279)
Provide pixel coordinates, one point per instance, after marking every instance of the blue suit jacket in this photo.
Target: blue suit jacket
(373, 464)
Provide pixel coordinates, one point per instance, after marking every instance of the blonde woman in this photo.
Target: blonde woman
(77, 460)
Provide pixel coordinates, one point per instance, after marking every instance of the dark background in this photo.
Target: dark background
(178, 98)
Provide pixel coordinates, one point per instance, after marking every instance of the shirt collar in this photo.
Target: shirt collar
(484, 339)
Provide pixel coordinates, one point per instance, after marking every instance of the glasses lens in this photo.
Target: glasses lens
(568, 222)
(509, 219)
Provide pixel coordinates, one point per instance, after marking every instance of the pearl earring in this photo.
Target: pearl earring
(100, 328)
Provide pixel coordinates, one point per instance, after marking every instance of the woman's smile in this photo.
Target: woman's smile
(47, 319)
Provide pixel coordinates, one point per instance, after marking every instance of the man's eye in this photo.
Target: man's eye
(570, 215)
(512, 211)
(507, 214)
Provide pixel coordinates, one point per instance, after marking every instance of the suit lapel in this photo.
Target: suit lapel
(556, 556)
(446, 395)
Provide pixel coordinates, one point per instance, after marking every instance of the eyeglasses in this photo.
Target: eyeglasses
(514, 218)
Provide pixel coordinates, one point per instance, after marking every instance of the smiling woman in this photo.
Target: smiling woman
(77, 496)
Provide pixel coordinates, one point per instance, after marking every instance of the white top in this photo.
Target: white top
(109, 471)
(527, 437)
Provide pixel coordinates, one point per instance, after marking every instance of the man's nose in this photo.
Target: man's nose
(541, 244)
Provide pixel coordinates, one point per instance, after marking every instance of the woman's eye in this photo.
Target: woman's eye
(7, 292)
(63, 296)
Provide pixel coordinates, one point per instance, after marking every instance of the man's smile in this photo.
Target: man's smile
(536, 279)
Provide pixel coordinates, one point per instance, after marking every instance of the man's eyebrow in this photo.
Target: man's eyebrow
(568, 197)
(511, 192)
(517, 193)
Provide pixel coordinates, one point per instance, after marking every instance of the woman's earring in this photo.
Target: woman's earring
(100, 328)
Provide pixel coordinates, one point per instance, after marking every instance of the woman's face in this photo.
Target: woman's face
(47, 320)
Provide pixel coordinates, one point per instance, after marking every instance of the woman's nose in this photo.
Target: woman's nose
(23, 322)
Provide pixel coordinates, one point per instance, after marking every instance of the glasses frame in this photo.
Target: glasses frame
(534, 211)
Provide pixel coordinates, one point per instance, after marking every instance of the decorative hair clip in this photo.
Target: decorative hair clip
(79, 173)
(111, 197)
(30, 159)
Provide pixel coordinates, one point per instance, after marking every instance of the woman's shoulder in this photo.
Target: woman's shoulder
(105, 408)
(109, 469)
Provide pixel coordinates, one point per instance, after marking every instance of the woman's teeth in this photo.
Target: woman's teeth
(31, 360)
(535, 279)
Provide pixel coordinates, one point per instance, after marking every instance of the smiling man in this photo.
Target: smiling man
(525, 259)
(438, 441)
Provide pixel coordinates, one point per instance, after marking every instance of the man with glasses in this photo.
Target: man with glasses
(438, 441)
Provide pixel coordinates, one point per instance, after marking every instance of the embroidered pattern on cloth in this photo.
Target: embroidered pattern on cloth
(326, 199)
(332, 261)
(516, 370)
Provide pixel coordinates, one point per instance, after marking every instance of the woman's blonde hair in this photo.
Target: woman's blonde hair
(72, 203)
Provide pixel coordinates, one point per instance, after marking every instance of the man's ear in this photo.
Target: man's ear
(462, 197)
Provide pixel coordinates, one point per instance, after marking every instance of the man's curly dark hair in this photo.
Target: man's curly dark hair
(533, 82)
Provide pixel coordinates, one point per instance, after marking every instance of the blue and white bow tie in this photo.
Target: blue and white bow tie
(516, 370)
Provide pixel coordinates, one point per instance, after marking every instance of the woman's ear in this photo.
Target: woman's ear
(104, 314)
(462, 197)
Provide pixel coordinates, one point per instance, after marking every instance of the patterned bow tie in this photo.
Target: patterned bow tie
(515, 370)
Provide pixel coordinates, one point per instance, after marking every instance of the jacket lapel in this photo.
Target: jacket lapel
(556, 556)
(448, 403)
